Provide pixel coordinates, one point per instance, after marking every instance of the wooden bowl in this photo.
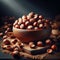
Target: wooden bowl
(27, 36)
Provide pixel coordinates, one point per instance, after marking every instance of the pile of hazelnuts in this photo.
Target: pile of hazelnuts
(32, 21)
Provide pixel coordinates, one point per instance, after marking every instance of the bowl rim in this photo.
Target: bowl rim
(31, 29)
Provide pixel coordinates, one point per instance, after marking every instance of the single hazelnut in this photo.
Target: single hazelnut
(27, 23)
(32, 20)
(40, 17)
(20, 21)
(16, 26)
(54, 47)
(40, 25)
(32, 46)
(39, 21)
(36, 16)
(31, 14)
(31, 43)
(30, 27)
(21, 26)
(49, 51)
(24, 17)
(4, 37)
(35, 28)
(1, 34)
(35, 24)
(48, 41)
(39, 44)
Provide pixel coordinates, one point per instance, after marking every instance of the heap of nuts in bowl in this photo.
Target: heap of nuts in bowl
(32, 21)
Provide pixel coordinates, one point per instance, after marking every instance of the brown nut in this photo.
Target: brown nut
(39, 44)
(39, 21)
(35, 24)
(31, 43)
(48, 41)
(21, 26)
(20, 21)
(40, 25)
(30, 27)
(4, 37)
(32, 46)
(27, 23)
(1, 34)
(32, 20)
(36, 28)
(31, 14)
(6, 42)
(36, 16)
(40, 17)
(49, 51)
(16, 22)
(16, 26)
(54, 47)
(24, 17)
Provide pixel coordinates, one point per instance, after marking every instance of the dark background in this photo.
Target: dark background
(48, 8)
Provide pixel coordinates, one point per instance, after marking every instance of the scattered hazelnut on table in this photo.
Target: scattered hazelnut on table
(54, 47)
(49, 51)
(39, 44)
(1, 34)
(48, 41)
(32, 46)
(4, 37)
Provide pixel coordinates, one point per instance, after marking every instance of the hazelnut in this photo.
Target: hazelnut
(16, 26)
(40, 17)
(32, 20)
(54, 47)
(48, 41)
(24, 17)
(36, 16)
(49, 51)
(40, 25)
(24, 20)
(30, 27)
(46, 21)
(20, 21)
(16, 22)
(35, 28)
(4, 37)
(6, 42)
(32, 46)
(39, 21)
(21, 26)
(39, 44)
(27, 23)
(31, 14)
(35, 24)
(1, 34)
(6, 32)
(55, 31)
(31, 43)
